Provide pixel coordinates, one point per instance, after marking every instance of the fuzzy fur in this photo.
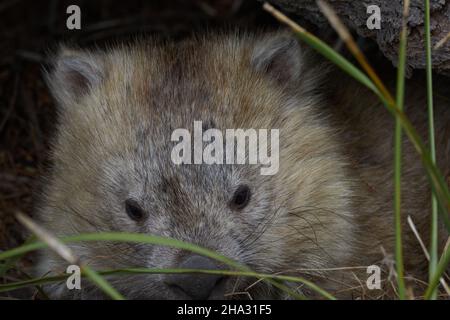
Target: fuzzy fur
(329, 206)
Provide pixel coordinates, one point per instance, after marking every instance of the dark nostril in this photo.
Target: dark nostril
(196, 286)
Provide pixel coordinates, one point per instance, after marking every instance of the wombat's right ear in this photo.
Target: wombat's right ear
(279, 56)
(74, 74)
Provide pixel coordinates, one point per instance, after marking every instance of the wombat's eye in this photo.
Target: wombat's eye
(241, 197)
(134, 210)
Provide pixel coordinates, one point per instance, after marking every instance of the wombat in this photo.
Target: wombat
(326, 215)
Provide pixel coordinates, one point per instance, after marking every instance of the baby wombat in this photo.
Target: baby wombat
(325, 214)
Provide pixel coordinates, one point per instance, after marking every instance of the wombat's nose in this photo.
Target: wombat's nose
(197, 286)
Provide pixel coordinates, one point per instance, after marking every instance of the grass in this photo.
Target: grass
(398, 154)
(66, 253)
(156, 240)
(434, 208)
(262, 276)
(371, 80)
(440, 270)
(367, 77)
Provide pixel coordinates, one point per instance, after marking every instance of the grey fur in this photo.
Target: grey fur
(318, 212)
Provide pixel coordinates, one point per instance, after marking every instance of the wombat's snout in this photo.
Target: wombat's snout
(197, 286)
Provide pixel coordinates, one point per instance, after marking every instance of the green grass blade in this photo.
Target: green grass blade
(12, 261)
(437, 181)
(10, 286)
(434, 208)
(100, 282)
(149, 239)
(48, 280)
(440, 270)
(398, 155)
(325, 50)
(66, 253)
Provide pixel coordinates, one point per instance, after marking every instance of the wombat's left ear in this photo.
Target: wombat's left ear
(74, 74)
(279, 55)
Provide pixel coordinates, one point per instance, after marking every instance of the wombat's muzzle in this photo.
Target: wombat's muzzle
(197, 286)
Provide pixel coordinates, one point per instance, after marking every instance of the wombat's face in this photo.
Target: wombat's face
(114, 167)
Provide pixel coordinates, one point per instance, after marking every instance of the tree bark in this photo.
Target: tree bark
(354, 14)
